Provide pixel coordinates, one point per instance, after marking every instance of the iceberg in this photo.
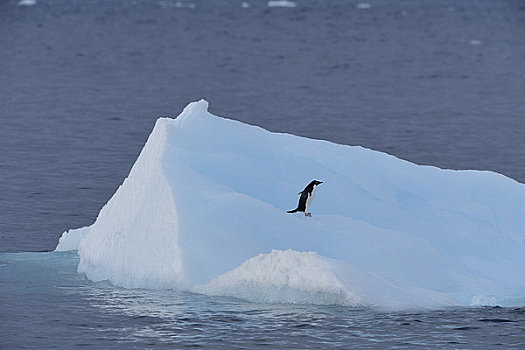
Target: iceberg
(204, 210)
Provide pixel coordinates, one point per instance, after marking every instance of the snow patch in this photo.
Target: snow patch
(283, 277)
(308, 278)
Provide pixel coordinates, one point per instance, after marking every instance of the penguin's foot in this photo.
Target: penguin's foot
(308, 214)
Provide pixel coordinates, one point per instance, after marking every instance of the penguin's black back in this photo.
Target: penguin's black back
(308, 189)
(301, 206)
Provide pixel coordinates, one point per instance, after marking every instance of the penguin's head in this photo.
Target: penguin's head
(316, 182)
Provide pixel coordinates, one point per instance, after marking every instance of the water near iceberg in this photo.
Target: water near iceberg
(46, 304)
(82, 83)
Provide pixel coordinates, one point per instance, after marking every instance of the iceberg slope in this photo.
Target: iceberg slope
(134, 241)
(207, 195)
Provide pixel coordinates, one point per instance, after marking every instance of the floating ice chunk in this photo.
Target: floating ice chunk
(188, 5)
(282, 3)
(245, 5)
(475, 42)
(363, 5)
(165, 4)
(27, 2)
(70, 240)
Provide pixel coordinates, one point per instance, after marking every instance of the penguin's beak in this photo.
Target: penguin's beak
(320, 182)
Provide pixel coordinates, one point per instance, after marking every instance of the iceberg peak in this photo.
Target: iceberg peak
(194, 109)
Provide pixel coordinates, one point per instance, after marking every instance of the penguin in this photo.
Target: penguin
(307, 196)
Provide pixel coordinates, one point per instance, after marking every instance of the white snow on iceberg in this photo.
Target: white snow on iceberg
(204, 209)
(305, 277)
(283, 276)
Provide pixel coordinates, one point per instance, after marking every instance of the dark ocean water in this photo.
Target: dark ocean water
(82, 83)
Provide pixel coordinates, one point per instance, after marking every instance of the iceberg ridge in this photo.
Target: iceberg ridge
(204, 209)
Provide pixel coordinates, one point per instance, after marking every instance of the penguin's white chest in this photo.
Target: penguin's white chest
(309, 199)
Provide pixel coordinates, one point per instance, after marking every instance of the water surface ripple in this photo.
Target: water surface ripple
(46, 304)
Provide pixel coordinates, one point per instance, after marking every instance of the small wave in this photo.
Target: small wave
(363, 6)
(282, 3)
(27, 3)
